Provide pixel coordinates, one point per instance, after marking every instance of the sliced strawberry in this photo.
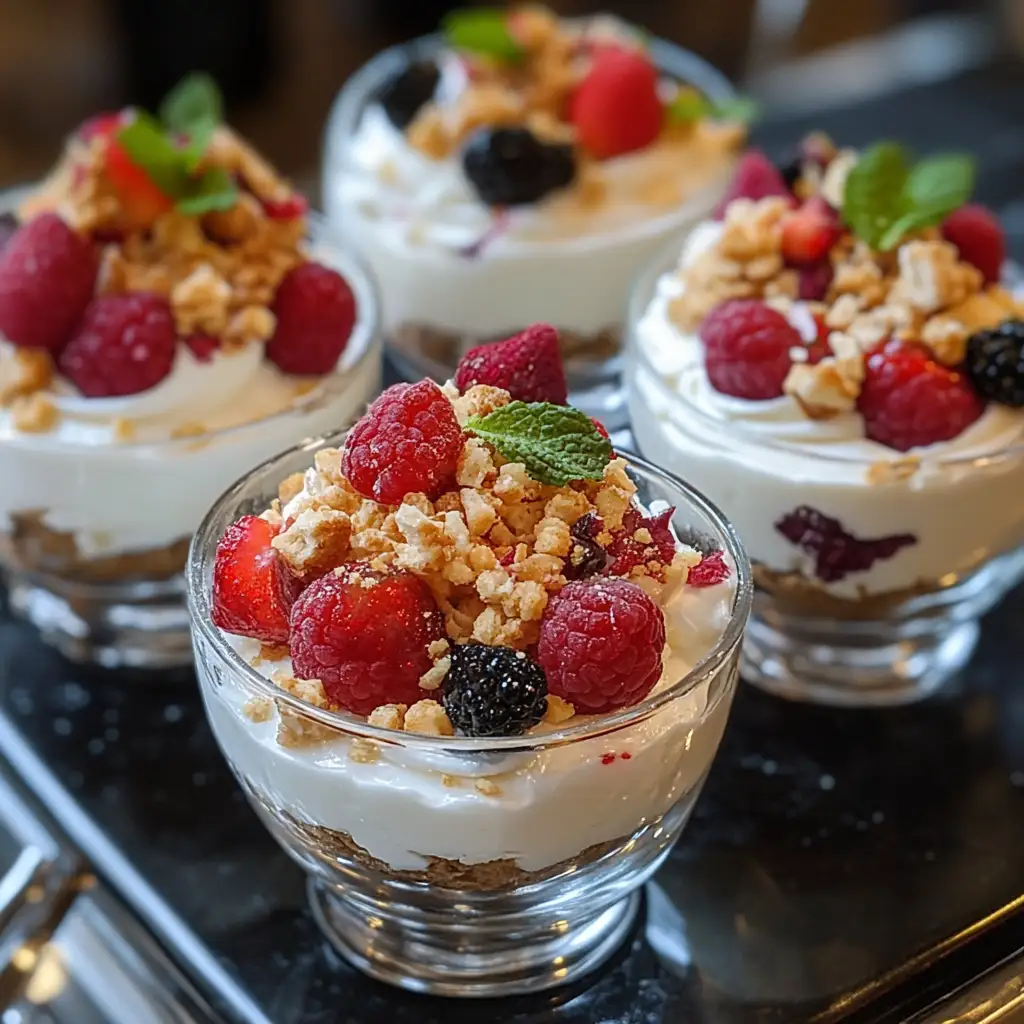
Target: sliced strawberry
(142, 202)
(809, 233)
(253, 592)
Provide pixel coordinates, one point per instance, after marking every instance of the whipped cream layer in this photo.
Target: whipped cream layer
(548, 805)
(762, 460)
(442, 260)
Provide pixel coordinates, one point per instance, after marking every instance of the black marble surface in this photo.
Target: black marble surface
(831, 862)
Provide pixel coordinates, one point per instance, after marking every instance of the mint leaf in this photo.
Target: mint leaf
(482, 30)
(935, 188)
(873, 197)
(193, 102)
(148, 146)
(213, 191)
(556, 443)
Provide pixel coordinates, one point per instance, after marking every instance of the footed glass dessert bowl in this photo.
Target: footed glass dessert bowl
(855, 404)
(477, 708)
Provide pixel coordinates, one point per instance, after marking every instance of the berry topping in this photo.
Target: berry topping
(995, 363)
(979, 237)
(202, 346)
(527, 366)
(125, 344)
(600, 644)
(586, 557)
(253, 591)
(809, 233)
(747, 349)
(102, 126)
(315, 311)
(493, 691)
(364, 635)
(756, 177)
(908, 400)
(409, 441)
(616, 109)
(814, 281)
(296, 205)
(47, 277)
(642, 540)
(710, 570)
(512, 167)
(141, 199)
(405, 92)
(837, 553)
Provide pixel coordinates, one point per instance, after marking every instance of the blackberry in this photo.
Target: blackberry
(587, 557)
(493, 691)
(995, 363)
(512, 167)
(407, 91)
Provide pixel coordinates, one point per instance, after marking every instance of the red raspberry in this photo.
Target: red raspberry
(202, 346)
(527, 366)
(809, 233)
(616, 108)
(746, 349)
(285, 209)
(710, 570)
(47, 277)
(600, 644)
(908, 400)
(125, 344)
(756, 177)
(409, 441)
(364, 635)
(979, 236)
(253, 591)
(315, 311)
(626, 552)
(815, 280)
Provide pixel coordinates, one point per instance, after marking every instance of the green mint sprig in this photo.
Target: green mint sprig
(483, 31)
(885, 197)
(169, 149)
(556, 443)
(689, 106)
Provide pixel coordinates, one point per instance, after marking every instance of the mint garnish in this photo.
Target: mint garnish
(482, 30)
(194, 101)
(886, 198)
(556, 443)
(689, 106)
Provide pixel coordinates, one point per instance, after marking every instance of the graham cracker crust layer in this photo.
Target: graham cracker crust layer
(443, 873)
(795, 594)
(32, 546)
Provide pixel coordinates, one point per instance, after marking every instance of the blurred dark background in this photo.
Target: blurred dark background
(281, 62)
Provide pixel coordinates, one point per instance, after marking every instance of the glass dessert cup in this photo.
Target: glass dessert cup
(447, 294)
(97, 529)
(459, 866)
(942, 538)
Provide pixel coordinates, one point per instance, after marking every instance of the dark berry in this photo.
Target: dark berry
(995, 363)
(407, 91)
(587, 557)
(493, 691)
(792, 171)
(512, 167)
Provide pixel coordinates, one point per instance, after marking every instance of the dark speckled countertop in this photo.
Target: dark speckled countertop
(839, 864)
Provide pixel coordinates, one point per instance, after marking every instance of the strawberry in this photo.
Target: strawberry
(616, 108)
(142, 202)
(253, 592)
(809, 233)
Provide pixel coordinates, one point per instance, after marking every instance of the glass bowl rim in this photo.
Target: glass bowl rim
(366, 335)
(642, 291)
(201, 554)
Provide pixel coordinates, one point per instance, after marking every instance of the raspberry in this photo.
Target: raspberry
(47, 277)
(908, 400)
(746, 349)
(809, 233)
(600, 644)
(202, 346)
(587, 557)
(710, 570)
(364, 635)
(493, 691)
(253, 591)
(125, 344)
(814, 281)
(979, 237)
(627, 552)
(837, 552)
(285, 209)
(512, 167)
(616, 109)
(408, 441)
(995, 363)
(527, 366)
(315, 311)
(756, 177)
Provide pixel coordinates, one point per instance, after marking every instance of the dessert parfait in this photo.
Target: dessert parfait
(836, 360)
(471, 668)
(168, 314)
(523, 167)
